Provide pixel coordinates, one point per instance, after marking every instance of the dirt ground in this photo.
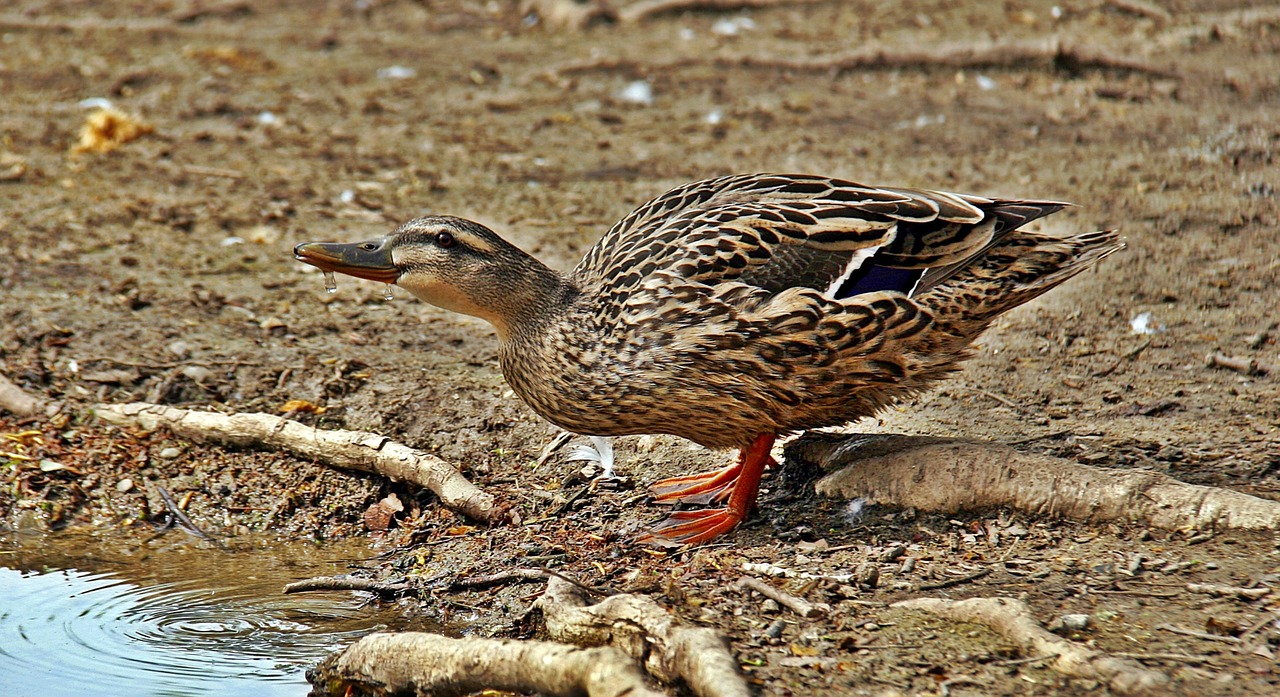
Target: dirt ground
(162, 271)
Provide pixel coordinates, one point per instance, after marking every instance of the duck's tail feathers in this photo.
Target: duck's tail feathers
(1018, 268)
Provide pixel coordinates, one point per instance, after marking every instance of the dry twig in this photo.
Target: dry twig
(488, 580)
(1021, 55)
(644, 630)
(800, 606)
(1248, 366)
(1173, 629)
(1012, 620)
(958, 581)
(421, 663)
(947, 476)
(1141, 8)
(644, 9)
(1218, 591)
(348, 583)
(356, 450)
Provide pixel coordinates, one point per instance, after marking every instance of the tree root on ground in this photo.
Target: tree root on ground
(1012, 620)
(946, 476)
(644, 630)
(597, 654)
(421, 664)
(355, 450)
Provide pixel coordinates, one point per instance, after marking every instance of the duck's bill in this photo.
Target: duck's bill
(368, 260)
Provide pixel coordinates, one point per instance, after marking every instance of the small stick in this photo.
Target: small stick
(992, 395)
(1248, 366)
(1014, 55)
(954, 581)
(1199, 635)
(1177, 657)
(348, 583)
(1141, 9)
(183, 520)
(644, 9)
(1218, 591)
(798, 605)
(513, 576)
(213, 172)
(1126, 356)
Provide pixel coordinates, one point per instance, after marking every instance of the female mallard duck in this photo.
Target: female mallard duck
(734, 310)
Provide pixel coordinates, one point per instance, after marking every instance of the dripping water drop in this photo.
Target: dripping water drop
(386, 293)
(330, 284)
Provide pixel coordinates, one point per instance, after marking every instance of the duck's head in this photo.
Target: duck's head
(451, 263)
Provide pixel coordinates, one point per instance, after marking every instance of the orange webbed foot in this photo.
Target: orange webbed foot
(703, 488)
(736, 485)
(692, 527)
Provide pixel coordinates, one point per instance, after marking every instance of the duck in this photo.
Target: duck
(736, 310)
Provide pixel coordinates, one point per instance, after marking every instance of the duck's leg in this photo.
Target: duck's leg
(696, 527)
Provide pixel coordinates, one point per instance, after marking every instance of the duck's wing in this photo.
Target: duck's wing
(784, 231)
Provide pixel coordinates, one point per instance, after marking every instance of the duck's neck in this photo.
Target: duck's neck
(524, 299)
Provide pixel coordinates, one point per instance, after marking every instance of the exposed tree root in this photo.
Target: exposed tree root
(644, 630)
(416, 663)
(16, 401)
(944, 476)
(1050, 53)
(1012, 620)
(356, 450)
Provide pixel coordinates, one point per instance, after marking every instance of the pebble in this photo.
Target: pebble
(1075, 622)
(124, 485)
(179, 348)
(775, 630)
(868, 575)
(197, 374)
(170, 453)
(770, 606)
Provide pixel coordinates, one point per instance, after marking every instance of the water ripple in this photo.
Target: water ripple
(67, 631)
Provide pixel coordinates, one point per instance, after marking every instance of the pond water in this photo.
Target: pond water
(88, 615)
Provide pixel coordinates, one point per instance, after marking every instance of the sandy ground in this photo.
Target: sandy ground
(162, 271)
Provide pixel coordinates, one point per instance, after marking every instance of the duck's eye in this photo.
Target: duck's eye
(445, 240)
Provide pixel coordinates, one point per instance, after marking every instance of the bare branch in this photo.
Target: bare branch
(355, 450)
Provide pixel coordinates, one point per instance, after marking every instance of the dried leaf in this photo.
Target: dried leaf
(303, 406)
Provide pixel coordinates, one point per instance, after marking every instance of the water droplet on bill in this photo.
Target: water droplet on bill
(330, 284)
(386, 293)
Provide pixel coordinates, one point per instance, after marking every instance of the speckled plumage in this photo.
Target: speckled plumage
(748, 305)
